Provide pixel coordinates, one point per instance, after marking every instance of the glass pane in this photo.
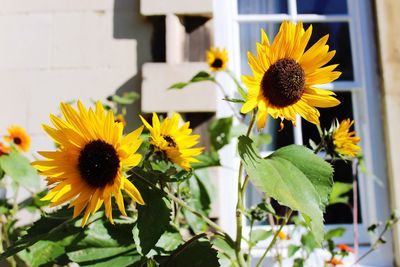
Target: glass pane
(339, 40)
(250, 33)
(262, 6)
(328, 115)
(342, 213)
(325, 7)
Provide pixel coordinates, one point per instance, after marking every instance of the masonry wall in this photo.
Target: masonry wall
(62, 50)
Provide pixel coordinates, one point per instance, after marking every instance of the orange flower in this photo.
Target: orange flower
(19, 137)
(4, 150)
(334, 262)
(345, 248)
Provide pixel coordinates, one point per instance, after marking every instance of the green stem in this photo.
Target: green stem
(239, 205)
(250, 245)
(274, 239)
(229, 104)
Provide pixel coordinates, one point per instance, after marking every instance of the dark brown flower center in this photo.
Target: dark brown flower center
(170, 141)
(283, 83)
(217, 63)
(17, 140)
(98, 163)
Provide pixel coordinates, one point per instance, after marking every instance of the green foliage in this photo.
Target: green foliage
(210, 159)
(259, 235)
(336, 232)
(338, 193)
(220, 132)
(20, 170)
(197, 253)
(153, 218)
(284, 172)
(199, 77)
(126, 99)
(292, 249)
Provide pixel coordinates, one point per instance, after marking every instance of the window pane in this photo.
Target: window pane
(326, 7)
(339, 40)
(328, 115)
(250, 33)
(262, 6)
(341, 213)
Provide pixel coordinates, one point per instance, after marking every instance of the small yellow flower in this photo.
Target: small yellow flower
(173, 141)
(285, 76)
(88, 167)
(345, 142)
(19, 137)
(281, 235)
(217, 59)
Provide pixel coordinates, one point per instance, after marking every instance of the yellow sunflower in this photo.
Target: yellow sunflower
(217, 59)
(88, 167)
(4, 150)
(345, 142)
(285, 76)
(19, 137)
(173, 141)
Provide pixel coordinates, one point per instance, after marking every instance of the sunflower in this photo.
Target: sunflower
(120, 118)
(174, 142)
(217, 59)
(344, 141)
(285, 75)
(88, 167)
(19, 137)
(4, 150)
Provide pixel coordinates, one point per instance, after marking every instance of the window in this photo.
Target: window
(237, 27)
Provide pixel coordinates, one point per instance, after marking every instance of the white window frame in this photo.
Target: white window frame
(365, 97)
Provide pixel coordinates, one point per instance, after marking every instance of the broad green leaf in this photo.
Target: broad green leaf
(210, 159)
(170, 240)
(226, 253)
(153, 218)
(258, 235)
(198, 253)
(53, 227)
(337, 232)
(338, 191)
(199, 77)
(293, 176)
(20, 170)
(104, 257)
(292, 249)
(220, 132)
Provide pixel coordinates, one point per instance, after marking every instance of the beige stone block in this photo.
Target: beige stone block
(25, 41)
(23, 6)
(189, 7)
(86, 40)
(157, 77)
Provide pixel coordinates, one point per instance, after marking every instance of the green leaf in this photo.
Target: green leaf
(292, 249)
(308, 242)
(338, 191)
(298, 262)
(99, 257)
(262, 139)
(293, 176)
(210, 159)
(234, 100)
(20, 170)
(126, 99)
(226, 252)
(199, 77)
(337, 232)
(196, 253)
(259, 235)
(220, 130)
(153, 218)
(200, 200)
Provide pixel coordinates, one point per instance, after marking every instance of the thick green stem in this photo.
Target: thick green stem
(239, 205)
(274, 238)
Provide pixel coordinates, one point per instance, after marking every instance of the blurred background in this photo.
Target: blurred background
(64, 50)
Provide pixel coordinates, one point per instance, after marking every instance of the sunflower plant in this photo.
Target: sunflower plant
(143, 198)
